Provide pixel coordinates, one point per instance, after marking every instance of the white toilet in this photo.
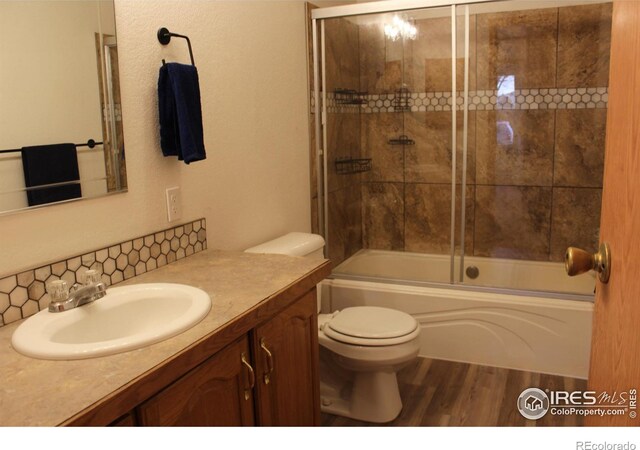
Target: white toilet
(361, 348)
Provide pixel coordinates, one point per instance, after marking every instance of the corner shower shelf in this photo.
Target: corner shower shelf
(402, 140)
(350, 165)
(401, 100)
(349, 97)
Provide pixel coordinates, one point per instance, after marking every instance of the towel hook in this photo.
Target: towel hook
(164, 37)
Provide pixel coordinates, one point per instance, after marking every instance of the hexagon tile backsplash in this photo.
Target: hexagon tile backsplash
(24, 294)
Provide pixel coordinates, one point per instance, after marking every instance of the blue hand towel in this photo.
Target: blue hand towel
(181, 132)
(48, 164)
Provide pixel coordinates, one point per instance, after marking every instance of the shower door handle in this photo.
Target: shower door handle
(578, 261)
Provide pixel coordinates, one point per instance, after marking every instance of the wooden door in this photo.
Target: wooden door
(286, 356)
(615, 348)
(212, 394)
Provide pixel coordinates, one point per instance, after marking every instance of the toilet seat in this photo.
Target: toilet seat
(371, 326)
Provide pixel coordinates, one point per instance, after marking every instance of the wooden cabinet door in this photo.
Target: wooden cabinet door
(128, 420)
(216, 393)
(286, 358)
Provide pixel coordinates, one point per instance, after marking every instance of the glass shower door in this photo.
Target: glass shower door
(388, 86)
(432, 128)
(535, 129)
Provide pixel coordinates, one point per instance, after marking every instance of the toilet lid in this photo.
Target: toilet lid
(372, 322)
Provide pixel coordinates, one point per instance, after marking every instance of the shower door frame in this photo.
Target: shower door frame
(318, 16)
(320, 97)
(388, 6)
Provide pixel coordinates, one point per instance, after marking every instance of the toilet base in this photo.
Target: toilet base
(370, 396)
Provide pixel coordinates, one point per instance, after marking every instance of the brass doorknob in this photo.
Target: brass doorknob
(577, 261)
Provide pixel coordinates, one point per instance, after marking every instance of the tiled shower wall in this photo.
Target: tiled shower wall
(24, 294)
(343, 141)
(535, 152)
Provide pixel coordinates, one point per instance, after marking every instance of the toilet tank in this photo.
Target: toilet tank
(293, 244)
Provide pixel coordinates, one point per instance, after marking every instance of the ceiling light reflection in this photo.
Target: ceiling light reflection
(400, 28)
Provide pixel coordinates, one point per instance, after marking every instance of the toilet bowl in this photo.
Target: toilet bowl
(361, 348)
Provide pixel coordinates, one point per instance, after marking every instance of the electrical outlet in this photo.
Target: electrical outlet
(174, 204)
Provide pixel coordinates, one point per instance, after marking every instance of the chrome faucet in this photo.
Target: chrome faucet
(63, 299)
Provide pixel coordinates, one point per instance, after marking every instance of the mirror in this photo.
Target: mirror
(61, 135)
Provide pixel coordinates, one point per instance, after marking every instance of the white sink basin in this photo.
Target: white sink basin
(127, 318)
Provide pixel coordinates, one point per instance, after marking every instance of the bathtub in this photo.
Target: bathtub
(547, 331)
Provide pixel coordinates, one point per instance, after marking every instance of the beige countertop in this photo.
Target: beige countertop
(39, 392)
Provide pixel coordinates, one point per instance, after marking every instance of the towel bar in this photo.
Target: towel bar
(164, 37)
(90, 143)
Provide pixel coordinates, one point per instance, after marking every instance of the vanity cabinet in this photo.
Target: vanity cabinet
(286, 357)
(263, 307)
(268, 376)
(128, 420)
(216, 393)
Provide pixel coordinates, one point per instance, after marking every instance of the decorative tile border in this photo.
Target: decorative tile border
(334, 107)
(487, 100)
(24, 294)
(106, 112)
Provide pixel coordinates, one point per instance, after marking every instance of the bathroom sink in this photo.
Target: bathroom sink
(127, 318)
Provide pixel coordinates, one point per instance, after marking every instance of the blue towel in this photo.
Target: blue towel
(181, 132)
(48, 164)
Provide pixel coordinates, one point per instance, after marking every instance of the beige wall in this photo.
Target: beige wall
(254, 184)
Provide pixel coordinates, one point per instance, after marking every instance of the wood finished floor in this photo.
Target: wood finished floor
(444, 393)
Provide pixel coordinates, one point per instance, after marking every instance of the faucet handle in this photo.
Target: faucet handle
(58, 290)
(92, 277)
